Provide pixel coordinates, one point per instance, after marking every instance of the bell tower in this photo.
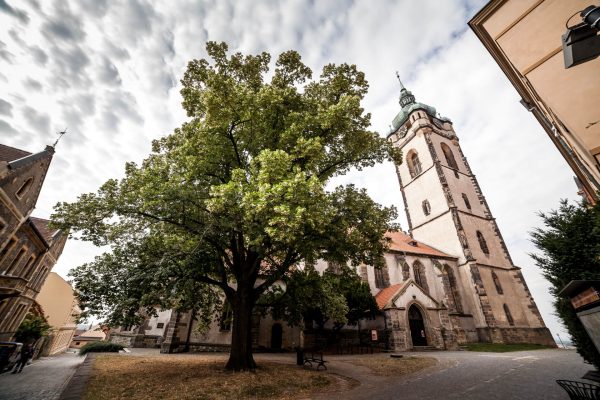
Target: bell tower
(447, 210)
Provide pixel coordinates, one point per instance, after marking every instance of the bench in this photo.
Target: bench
(580, 390)
(316, 358)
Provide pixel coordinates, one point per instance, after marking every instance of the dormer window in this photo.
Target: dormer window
(24, 188)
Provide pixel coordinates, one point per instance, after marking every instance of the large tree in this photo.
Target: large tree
(237, 195)
(570, 250)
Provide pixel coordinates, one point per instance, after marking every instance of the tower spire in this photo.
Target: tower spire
(399, 80)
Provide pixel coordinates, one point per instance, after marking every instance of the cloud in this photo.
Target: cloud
(32, 84)
(5, 127)
(71, 64)
(5, 54)
(108, 73)
(15, 12)
(38, 55)
(5, 108)
(37, 120)
(95, 8)
(64, 25)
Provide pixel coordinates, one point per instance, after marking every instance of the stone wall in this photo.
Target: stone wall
(540, 336)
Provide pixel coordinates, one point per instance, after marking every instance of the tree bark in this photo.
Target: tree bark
(240, 357)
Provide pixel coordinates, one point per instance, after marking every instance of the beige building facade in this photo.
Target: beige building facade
(524, 38)
(60, 307)
(29, 248)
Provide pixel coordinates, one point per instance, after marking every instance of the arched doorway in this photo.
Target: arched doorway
(276, 336)
(417, 326)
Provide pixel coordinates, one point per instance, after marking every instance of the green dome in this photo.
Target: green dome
(408, 104)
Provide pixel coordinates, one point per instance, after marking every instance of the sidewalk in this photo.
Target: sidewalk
(43, 380)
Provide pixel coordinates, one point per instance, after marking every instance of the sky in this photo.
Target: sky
(109, 72)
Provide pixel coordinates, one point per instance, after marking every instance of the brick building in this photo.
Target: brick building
(29, 248)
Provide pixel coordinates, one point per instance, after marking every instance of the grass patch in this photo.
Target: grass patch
(395, 366)
(171, 377)
(504, 348)
(100, 347)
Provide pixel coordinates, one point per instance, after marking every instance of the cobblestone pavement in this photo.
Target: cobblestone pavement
(44, 379)
(472, 375)
(461, 375)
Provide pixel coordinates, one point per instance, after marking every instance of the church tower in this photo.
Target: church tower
(446, 209)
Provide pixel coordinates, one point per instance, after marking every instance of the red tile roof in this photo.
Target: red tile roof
(42, 226)
(9, 154)
(385, 295)
(400, 241)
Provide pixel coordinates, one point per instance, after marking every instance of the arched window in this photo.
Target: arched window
(24, 187)
(426, 207)
(414, 165)
(449, 156)
(419, 274)
(497, 283)
(466, 200)
(405, 271)
(482, 243)
(454, 288)
(380, 277)
(509, 317)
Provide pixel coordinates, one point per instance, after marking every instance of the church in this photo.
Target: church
(448, 282)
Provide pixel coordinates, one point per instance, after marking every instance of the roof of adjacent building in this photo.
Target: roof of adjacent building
(9, 154)
(385, 295)
(400, 241)
(42, 227)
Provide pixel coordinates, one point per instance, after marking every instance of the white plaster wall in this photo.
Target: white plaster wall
(163, 317)
(496, 256)
(514, 296)
(419, 144)
(426, 187)
(394, 268)
(441, 234)
(464, 184)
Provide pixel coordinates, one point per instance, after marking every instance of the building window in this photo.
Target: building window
(497, 283)
(24, 187)
(426, 207)
(509, 317)
(160, 325)
(28, 267)
(9, 246)
(414, 165)
(226, 317)
(454, 288)
(419, 274)
(483, 243)
(16, 260)
(2, 225)
(466, 200)
(405, 271)
(449, 156)
(380, 277)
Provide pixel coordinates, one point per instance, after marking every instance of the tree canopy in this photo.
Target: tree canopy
(570, 250)
(236, 196)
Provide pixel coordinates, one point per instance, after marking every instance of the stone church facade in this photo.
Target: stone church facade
(29, 248)
(449, 281)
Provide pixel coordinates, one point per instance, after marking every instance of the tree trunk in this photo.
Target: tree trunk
(240, 357)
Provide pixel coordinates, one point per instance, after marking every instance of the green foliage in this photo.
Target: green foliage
(338, 295)
(100, 347)
(32, 328)
(570, 246)
(237, 195)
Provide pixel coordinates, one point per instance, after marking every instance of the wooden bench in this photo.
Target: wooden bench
(316, 358)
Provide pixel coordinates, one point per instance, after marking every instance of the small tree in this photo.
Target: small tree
(32, 328)
(236, 196)
(570, 246)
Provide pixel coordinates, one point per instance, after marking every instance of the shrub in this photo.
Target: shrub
(101, 347)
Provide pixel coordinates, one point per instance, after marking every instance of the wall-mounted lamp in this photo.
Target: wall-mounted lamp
(581, 42)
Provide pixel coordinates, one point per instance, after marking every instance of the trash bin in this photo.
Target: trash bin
(299, 356)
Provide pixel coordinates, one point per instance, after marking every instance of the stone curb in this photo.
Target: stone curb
(75, 389)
